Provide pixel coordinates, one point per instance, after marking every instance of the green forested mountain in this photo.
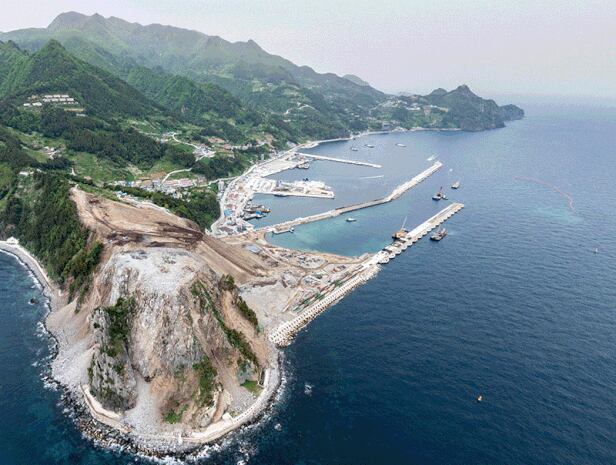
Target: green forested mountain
(356, 79)
(53, 70)
(467, 110)
(243, 68)
(275, 95)
(205, 104)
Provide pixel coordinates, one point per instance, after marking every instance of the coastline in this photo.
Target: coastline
(106, 430)
(51, 290)
(96, 426)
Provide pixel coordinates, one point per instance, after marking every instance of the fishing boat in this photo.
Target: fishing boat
(438, 235)
(439, 195)
(455, 185)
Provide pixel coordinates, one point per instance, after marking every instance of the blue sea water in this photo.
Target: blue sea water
(514, 305)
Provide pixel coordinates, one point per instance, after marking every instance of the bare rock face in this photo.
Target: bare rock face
(164, 323)
(111, 375)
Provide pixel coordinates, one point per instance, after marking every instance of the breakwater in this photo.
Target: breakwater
(396, 193)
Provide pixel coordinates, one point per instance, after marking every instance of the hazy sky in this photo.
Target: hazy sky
(498, 47)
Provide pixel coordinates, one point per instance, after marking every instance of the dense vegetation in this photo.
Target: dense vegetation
(118, 317)
(45, 220)
(109, 141)
(199, 206)
(259, 79)
(247, 312)
(52, 69)
(221, 166)
(218, 112)
(206, 374)
(468, 111)
(186, 72)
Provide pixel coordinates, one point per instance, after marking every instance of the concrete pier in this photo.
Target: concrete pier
(283, 335)
(340, 160)
(417, 233)
(396, 193)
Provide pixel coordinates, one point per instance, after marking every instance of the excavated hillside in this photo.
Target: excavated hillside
(163, 338)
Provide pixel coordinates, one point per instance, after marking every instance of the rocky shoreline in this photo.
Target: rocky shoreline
(75, 406)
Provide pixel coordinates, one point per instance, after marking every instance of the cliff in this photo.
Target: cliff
(163, 338)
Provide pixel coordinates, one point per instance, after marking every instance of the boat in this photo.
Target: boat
(596, 250)
(479, 398)
(307, 389)
(433, 157)
(350, 220)
(456, 185)
(439, 195)
(438, 235)
(354, 149)
(370, 146)
(400, 145)
(401, 233)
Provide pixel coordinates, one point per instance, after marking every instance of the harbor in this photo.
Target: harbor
(283, 335)
(395, 194)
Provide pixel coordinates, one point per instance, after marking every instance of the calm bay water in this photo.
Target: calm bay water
(514, 305)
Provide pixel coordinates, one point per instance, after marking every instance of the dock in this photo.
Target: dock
(283, 335)
(396, 193)
(416, 234)
(340, 160)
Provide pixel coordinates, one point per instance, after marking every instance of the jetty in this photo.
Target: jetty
(283, 335)
(396, 193)
(404, 241)
(340, 160)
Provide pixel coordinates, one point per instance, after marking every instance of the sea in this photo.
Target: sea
(517, 305)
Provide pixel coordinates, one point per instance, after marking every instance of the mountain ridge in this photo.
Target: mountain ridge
(52, 69)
